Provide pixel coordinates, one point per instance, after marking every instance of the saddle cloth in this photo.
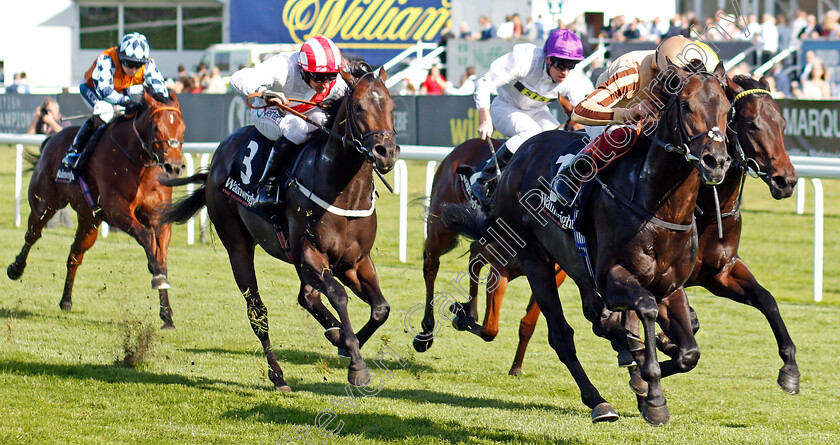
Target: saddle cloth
(66, 175)
(250, 160)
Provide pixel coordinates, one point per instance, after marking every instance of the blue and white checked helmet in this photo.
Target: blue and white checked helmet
(134, 47)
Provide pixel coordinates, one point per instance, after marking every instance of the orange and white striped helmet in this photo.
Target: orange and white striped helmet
(319, 55)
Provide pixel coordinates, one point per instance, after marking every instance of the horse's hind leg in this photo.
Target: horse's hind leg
(541, 277)
(739, 284)
(526, 330)
(310, 299)
(362, 280)
(86, 234)
(439, 241)
(41, 210)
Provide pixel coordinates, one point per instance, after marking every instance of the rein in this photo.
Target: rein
(148, 148)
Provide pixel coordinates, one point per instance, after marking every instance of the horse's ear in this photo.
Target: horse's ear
(383, 74)
(720, 73)
(346, 76)
(763, 81)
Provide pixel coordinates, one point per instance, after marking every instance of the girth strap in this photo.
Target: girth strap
(647, 216)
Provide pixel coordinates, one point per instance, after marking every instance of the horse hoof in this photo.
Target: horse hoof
(788, 382)
(517, 371)
(343, 352)
(638, 384)
(283, 388)
(360, 378)
(168, 327)
(604, 412)
(65, 305)
(333, 334)
(14, 272)
(656, 415)
(487, 337)
(159, 282)
(422, 343)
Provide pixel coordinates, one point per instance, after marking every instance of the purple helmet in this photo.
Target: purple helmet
(563, 44)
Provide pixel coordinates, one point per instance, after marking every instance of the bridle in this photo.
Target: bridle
(149, 145)
(714, 134)
(357, 139)
(745, 164)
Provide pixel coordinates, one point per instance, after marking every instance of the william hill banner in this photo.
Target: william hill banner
(374, 29)
(813, 126)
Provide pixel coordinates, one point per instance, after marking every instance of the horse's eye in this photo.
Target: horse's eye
(752, 125)
(684, 106)
(357, 108)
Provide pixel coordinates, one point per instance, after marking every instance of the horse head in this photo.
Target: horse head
(370, 116)
(758, 140)
(694, 118)
(166, 131)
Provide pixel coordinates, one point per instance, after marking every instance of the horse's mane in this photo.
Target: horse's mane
(357, 69)
(155, 95)
(748, 82)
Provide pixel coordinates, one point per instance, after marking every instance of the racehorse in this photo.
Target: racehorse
(327, 244)
(121, 187)
(638, 263)
(756, 141)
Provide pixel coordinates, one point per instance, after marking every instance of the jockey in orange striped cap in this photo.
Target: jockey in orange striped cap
(310, 74)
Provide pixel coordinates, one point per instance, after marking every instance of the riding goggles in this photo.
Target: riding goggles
(322, 77)
(561, 64)
(131, 64)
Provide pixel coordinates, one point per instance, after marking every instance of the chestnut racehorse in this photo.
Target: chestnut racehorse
(121, 187)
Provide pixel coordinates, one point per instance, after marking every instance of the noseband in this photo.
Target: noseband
(150, 144)
(745, 164)
(714, 134)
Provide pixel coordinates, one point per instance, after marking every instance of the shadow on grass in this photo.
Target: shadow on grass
(384, 427)
(18, 314)
(300, 357)
(118, 374)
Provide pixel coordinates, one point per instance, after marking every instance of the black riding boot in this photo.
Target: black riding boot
(71, 159)
(268, 192)
(481, 187)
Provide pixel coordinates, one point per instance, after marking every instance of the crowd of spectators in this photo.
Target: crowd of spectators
(201, 81)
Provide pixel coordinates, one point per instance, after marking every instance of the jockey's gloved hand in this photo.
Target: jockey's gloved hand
(131, 107)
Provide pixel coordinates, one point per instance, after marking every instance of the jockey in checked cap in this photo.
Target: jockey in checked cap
(310, 74)
(622, 99)
(116, 73)
(527, 79)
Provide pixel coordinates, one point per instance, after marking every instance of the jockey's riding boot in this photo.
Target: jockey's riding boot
(594, 157)
(71, 159)
(268, 191)
(480, 183)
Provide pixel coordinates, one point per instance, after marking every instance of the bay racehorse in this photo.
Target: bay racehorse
(638, 225)
(756, 142)
(327, 247)
(121, 187)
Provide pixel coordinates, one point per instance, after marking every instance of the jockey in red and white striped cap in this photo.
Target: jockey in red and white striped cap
(310, 74)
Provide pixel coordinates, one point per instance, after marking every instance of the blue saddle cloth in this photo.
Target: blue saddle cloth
(251, 158)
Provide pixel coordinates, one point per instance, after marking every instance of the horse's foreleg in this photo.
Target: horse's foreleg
(679, 328)
(495, 296)
(310, 299)
(86, 234)
(314, 272)
(738, 284)
(561, 336)
(623, 290)
(526, 330)
(362, 280)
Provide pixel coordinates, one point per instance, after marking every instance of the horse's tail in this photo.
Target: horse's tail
(184, 209)
(470, 222)
(31, 158)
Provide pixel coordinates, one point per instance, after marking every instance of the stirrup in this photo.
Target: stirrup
(565, 192)
(267, 195)
(483, 191)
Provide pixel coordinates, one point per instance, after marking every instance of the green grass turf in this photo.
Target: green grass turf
(206, 381)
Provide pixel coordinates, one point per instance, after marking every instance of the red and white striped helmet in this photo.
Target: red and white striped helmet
(319, 55)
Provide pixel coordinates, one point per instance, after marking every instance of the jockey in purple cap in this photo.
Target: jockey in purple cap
(527, 79)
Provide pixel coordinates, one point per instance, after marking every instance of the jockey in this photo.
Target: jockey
(527, 79)
(624, 97)
(310, 74)
(116, 73)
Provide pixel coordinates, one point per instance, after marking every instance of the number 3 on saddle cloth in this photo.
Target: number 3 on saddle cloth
(243, 178)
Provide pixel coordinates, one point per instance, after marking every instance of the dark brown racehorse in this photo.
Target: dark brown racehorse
(756, 141)
(327, 248)
(123, 177)
(639, 226)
